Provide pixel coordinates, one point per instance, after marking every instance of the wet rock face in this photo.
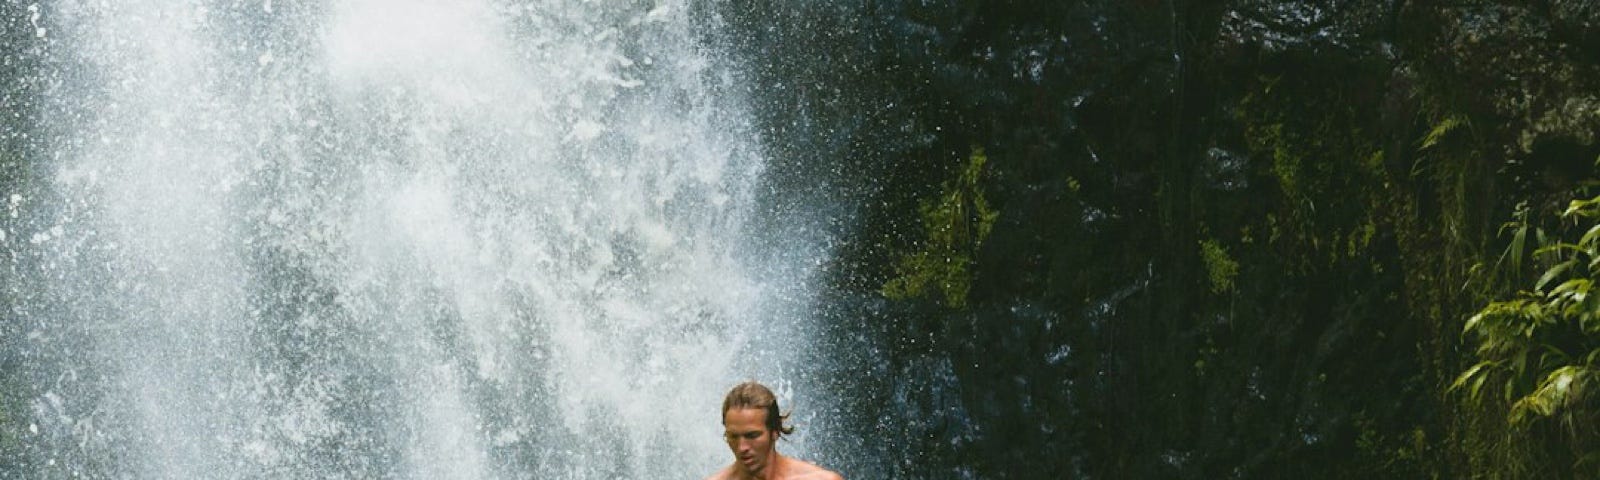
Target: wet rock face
(1220, 246)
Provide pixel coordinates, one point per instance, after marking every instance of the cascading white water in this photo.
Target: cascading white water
(397, 238)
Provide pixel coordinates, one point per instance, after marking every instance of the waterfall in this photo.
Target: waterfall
(393, 239)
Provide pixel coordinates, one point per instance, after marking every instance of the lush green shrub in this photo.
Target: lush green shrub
(1539, 352)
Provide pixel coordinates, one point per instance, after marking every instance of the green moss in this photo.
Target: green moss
(1221, 269)
(956, 224)
(1286, 165)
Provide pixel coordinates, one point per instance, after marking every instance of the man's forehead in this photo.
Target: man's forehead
(744, 420)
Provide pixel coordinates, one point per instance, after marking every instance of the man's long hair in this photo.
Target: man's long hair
(755, 395)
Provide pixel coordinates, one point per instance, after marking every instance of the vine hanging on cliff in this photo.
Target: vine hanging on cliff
(956, 224)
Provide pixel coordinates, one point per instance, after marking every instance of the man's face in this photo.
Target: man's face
(748, 437)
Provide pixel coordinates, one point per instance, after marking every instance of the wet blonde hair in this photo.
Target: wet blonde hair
(755, 395)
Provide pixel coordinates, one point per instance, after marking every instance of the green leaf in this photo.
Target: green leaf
(1477, 386)
(1508, 393)
(1540, 240)
(1553, 394)
(1467, 376)
(1518, 241)
(1577, 288)
(1552, 273)
(1439, 131)
(1472, 379)
(1583, 208)
(1555, 249)
(1472, 323)
(1588, 241)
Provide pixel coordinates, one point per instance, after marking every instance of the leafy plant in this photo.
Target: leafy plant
(1539, 352)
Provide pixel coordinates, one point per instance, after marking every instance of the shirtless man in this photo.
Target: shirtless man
(752, 425)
